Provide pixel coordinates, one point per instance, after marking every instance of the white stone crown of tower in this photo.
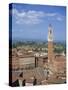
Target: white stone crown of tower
(50, 33)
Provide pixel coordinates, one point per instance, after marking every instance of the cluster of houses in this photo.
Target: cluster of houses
(32, 68)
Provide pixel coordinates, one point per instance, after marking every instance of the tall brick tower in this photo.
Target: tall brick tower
(50, 46)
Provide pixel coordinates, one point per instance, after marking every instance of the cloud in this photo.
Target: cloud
(34, 17)
(28, 17)
(51, 14)
(59, 19)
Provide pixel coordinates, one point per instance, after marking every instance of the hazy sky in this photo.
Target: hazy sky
(31, 21)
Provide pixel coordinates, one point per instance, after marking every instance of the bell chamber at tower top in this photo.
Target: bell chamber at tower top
(50, 33)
